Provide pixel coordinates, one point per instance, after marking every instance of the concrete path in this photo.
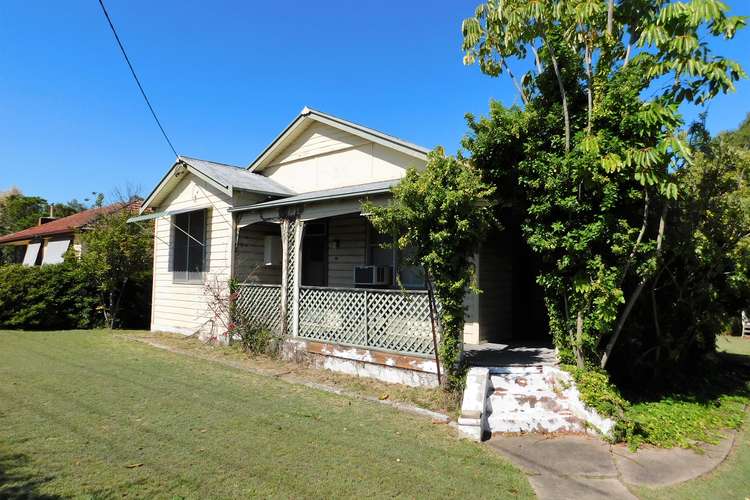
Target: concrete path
(585, 467)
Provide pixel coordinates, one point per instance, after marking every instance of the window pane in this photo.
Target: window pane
(412, 276)
(195, 244)
(179, 247)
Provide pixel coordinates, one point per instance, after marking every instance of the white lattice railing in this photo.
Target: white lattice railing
(395, 320)
(261, 304)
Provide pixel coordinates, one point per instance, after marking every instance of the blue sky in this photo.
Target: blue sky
(227, 77)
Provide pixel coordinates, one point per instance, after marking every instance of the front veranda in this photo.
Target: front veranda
(296, 277)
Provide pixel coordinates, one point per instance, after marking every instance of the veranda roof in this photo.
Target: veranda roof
(324, 195)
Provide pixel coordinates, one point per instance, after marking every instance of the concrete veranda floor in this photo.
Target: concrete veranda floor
(585, 467)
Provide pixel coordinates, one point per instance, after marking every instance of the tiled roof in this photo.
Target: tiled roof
(63, 225)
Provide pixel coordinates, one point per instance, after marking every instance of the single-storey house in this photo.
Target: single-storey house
(47, 242)
(289, 229)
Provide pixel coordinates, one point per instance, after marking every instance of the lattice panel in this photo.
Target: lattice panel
(400, 321)
(291, 268)
(333, 315)
(261, 304)
(393, 320)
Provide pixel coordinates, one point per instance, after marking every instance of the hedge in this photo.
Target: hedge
(55, 296)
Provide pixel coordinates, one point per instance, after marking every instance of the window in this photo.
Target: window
(409, 276)
(189, 246)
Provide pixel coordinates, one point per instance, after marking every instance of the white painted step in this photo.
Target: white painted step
(528, 399)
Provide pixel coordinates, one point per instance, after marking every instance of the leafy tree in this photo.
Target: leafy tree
(704, 277)
(19, 212)
(442, 212)
(595, 154)
(118, 257)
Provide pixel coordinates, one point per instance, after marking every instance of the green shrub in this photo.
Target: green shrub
(679, 422)
(252, 337)
(55, 296)
(598, 392)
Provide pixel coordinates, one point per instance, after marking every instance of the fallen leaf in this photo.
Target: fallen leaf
(133, 466)
(383, 397)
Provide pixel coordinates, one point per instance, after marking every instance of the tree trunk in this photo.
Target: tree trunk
(563, 95)
(610, 15)
(589, 86)
(116, 309)
(577, 348)
(646, 202)
(536, 60)
(635, 295)
(433, 321)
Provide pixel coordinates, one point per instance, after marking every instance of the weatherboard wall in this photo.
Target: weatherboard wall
(324, 157)
(183, 307)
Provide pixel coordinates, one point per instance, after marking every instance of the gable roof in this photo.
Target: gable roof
(226, 178)
(308, 115)
(63, 225)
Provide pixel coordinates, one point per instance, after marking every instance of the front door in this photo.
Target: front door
(315, 254)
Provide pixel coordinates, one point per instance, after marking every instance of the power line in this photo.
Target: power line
(143, 92)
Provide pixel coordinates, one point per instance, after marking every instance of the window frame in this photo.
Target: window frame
(397, 260)
(183, 277)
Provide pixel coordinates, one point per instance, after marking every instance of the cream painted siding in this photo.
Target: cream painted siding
(347, 238)
(183, 307)
(324, 157)
(249, 258)
(318, 139)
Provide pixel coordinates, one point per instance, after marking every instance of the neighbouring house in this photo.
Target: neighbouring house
(289, 229)
(47, 242)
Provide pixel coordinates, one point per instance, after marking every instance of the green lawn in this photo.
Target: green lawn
(732, 478)
(90, 414)
(735, 345)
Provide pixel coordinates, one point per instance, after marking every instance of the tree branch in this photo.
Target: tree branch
(518, 86)
(637, 241)
(563, 94)
(635, 295)
(536, 59)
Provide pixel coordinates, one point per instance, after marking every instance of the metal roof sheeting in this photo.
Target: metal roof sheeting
(325, 194)
(232, 177)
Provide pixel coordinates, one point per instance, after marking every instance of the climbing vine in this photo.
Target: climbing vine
(442, 213)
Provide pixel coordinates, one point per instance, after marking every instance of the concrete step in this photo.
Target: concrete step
(534, 423)
(521, 383)
(543, 400)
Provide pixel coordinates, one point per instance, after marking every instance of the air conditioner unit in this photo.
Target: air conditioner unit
(372, 275)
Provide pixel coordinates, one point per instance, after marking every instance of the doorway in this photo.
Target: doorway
(315, 254)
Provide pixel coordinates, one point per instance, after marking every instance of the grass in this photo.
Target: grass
(89, 414)
(730, 479)
(713, 402)
(706, 405)
(734, 345)
(432, 399)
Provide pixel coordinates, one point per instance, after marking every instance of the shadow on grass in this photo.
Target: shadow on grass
(17, 484)
(719, 375)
